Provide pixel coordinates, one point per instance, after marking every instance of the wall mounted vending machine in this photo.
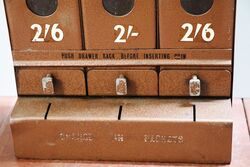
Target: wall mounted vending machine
(123, 80)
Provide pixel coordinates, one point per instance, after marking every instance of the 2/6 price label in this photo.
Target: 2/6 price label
(207, 34)
(52, 31)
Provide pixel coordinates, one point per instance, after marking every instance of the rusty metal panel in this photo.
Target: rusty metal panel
(196, 24)
(136, 28)
(215, 83)
(44, 25)
(137, 83)
(63, 81)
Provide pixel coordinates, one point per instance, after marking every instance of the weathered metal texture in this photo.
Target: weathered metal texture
(213, 82)
(175, 23)
(29, 31)
(135, 30)
(146, 130)
(66, 81)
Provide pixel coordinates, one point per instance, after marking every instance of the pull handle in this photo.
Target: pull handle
(195, 86)
(48, 85)
(121, 86)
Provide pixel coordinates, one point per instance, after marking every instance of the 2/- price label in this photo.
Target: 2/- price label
(55, 33)
(208, 33)
(125, 34)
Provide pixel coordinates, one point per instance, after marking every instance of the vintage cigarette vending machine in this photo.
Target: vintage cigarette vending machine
(123, 80)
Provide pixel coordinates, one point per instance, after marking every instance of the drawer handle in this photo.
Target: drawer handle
(195, 86)
(48, 85)
(121, 86)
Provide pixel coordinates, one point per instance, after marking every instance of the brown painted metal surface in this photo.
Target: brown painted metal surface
(99, 26)
(240, 155)
(124, 55)
(124, 48)
(66, 81)
(172, 17)
(170, 135)
(140, 82)
(213, 82)
(20, 20)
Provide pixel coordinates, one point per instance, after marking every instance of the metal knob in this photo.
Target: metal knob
(48, 85)
(121, 86)
(195, 86)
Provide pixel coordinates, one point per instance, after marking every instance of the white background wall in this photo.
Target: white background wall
(7, 79)
(242, 56)
(242, 51)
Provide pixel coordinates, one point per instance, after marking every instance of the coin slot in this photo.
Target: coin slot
(47, 112)
(194, 113)
(120, 113)
(197, 7)
(118, 7)
(85, 72)
(42, 7)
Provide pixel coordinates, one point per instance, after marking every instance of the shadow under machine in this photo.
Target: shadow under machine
(124, 80)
